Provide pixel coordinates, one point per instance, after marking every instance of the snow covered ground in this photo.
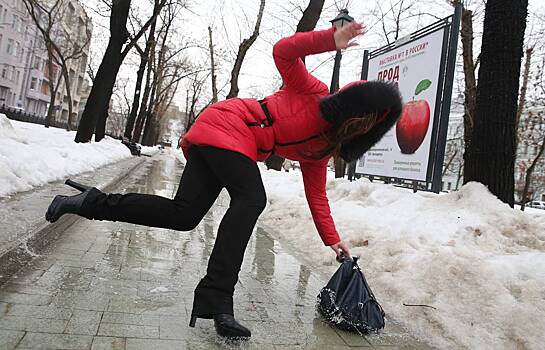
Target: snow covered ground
(477, 261)
(32, 155)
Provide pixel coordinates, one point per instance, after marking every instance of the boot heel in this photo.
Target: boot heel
(192, 321)
(77, 186)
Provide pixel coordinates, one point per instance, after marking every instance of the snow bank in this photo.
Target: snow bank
(32, 155)
(480, 263)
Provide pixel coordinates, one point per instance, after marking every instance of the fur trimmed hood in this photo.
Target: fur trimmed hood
(363, 98)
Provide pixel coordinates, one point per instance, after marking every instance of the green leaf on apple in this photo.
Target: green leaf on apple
(423, 85)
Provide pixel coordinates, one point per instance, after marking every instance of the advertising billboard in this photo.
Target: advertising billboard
(405, 151)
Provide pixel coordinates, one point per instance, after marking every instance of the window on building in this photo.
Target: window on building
(33, 84)
(4, 71)
(17, 76)
(15, 22)
(9, 49)
(18, 50)
(11, 74)
(449, 185)
(36, 64)
(80, 83)
(3, 93)
(1, 36)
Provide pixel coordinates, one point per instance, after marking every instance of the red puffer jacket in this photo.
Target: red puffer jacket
(240, 125)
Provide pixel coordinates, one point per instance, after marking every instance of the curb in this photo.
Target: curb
(25, 248)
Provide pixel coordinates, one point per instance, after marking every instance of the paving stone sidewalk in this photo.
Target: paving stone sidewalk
(24, 212)
(107, 285)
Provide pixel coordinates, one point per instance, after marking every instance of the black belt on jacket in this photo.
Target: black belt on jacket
(267, 122)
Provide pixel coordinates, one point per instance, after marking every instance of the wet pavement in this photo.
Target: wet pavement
(25, 209)
(108, 285)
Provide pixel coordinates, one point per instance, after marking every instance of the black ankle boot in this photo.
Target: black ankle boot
(226, 326)
(65, 205)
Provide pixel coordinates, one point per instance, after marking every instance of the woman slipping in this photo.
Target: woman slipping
(300, 122)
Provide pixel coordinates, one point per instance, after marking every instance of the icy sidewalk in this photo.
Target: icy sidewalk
(22, 216)
(107, 285)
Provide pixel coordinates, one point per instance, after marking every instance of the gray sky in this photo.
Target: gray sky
(233, 21)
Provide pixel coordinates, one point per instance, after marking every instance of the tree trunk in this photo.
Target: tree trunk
(145, 98)
(136, 98)
(459, 177)
(143, 105)
(96, 109)
(52, 90)
(144, 58)
(242, 50)
(470, 90)
(310, 17)
(213, 68)
(150, 108)
(157, 86)
(148, 129)
(340, 167)
(449, 162)
(66, 78)
(529, 172)
(523, 89)
(492, 153)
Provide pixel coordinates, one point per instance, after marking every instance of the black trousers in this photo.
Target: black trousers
(207, 171)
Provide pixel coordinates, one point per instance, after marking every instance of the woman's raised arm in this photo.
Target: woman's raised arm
(288, 54)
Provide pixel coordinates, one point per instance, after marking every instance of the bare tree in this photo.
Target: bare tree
(193, 93)
(144, 58)
(454, 151)
(145, 98)
(242, 50)
(523, 89)
(530, 119)
(63, 44)
(119, 45)
(168, 69)
(212, 67)
(532, 135)
(491, 156)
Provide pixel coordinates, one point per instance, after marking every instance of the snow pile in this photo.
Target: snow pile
(479, 263)
(32, 155)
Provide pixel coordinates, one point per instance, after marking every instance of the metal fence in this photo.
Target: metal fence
(16, 114)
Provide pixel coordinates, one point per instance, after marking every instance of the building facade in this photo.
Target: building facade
(24, 70)
(13, 34)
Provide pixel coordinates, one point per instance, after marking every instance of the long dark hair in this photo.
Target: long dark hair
(346, 132)
(360, 114)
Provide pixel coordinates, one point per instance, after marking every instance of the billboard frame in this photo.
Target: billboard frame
(450, 26)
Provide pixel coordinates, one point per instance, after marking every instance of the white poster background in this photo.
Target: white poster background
(415, 61)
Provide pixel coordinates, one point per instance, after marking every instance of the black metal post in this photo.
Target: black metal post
(447, 94)
(336, 72)
(365, 65)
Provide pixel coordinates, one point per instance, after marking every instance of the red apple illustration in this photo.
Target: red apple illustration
(413, 125)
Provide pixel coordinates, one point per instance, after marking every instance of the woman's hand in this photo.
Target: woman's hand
(338, 247)
(345, 34)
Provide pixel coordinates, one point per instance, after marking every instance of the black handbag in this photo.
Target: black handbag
(348, 303)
